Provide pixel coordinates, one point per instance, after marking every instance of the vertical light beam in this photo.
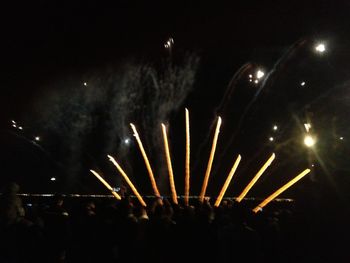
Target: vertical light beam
(170, 167)
(210, 161)
(281, 190)
(145, 158)
(126, 178)
(187, 159)
(256, 177)
(227, 182)
(106, 184)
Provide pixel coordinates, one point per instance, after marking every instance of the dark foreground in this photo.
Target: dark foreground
(104, 230)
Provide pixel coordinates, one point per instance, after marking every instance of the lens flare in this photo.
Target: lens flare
(309, 141)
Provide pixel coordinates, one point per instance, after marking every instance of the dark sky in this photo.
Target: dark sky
(43, 43)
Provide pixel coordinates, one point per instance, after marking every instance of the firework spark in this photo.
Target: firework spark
(227, 182)
(106, 184)
(281, 190)
(256, 178)
(187, 162)
(170, 167)
(126, 178)
(145, 158)
(210, 161)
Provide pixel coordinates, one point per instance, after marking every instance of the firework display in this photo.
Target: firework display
(126, 178)
(210, 161)
(170, 167)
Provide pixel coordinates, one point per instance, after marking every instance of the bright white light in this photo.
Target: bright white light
(20, 127)
(341, 138)
(271, 139)
(312, 165)
(37, 138)
(259, 74)
(256, 81)
(127, 141)
(250, 80)
(307, 126)
(169, 42)
(302, 83)
(250, 76)
(309, 141)
(320, 48)
(14, 125)
(53, 179)
(275, 128)
(13, 121)
(85, 84)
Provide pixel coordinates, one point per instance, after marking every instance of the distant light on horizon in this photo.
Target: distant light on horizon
(309, 141)
(320, 48)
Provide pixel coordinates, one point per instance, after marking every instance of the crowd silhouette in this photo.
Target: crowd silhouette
(107, 230)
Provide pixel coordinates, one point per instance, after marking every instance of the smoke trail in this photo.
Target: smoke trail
(92, 120)
(166, 91)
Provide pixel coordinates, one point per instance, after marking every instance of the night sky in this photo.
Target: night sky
(49, 50)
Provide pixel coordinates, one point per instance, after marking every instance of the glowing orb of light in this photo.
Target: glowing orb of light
(320, 48)
(302, 83)
(37, 138)
(275, 128)
(52, 179)
(309, 141)
(127, 141)
(259, 74)
(271, 139)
